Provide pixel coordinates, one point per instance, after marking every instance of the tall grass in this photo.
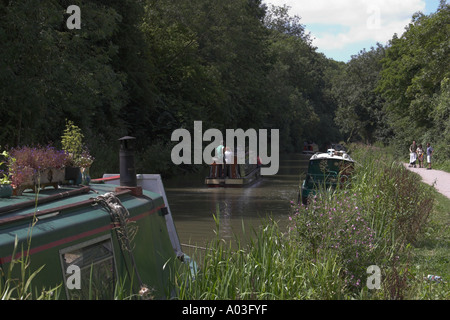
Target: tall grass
(269, 267)
(18, 278)
(330, 243)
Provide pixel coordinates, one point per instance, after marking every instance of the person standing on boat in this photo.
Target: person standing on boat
(413, 154)
(219, 156)
(228, 160)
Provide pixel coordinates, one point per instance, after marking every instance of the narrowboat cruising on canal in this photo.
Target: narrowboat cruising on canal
(325, 172)
(229, 174)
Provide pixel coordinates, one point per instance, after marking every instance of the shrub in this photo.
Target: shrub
(334, 224)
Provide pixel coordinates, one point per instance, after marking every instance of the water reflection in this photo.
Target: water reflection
(237, 209)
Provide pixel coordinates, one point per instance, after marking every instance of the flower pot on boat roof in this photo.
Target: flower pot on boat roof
(78, 170)
(52, 177)
(78, 155)
(37, 167)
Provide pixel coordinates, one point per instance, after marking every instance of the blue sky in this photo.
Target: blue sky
(342, 28)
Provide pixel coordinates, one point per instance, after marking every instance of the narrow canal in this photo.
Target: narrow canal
(194, 205)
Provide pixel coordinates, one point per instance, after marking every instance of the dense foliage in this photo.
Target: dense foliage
(145, 68)
(400, 93)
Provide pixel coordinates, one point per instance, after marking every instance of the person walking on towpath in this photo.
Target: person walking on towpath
(429, 154)
(420, 155)
(413, 154)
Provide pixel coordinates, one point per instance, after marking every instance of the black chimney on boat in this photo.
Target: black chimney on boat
(127, 168)
(126, 157)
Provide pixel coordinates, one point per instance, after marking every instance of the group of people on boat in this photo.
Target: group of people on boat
(417, 153)
(224, 167)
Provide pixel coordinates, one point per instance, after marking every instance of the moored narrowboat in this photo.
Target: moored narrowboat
(91, 240)
(325, 172)
(310, 148)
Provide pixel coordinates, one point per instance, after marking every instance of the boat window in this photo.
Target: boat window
(95, 260)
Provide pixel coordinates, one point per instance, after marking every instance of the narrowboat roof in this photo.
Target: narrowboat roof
(333, 155)
(43, 203)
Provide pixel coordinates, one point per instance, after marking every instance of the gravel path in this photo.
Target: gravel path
(440, 178)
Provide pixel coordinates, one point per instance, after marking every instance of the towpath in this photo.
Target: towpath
(440, 178)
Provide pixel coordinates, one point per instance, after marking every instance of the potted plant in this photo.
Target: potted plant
(30, 167)
(85, 161)
(72, 144)
(6, 189)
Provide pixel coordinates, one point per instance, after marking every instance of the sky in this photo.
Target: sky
(342, 28)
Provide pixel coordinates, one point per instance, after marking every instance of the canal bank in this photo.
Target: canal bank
(196, 208)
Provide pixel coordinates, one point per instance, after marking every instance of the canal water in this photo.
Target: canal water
(196, 208)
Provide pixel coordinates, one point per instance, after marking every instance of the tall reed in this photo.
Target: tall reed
(269, 267)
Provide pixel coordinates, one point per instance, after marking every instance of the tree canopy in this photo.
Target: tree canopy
(399, 93)
(145, 68)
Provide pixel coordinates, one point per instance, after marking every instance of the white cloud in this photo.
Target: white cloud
(363, 20)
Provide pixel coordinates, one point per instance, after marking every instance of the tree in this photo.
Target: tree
(414, 68)
(52, 73)
(299, 99)
(360, 113)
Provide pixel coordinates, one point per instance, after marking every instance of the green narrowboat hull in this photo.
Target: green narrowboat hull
(76, 229)
(325, 172)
